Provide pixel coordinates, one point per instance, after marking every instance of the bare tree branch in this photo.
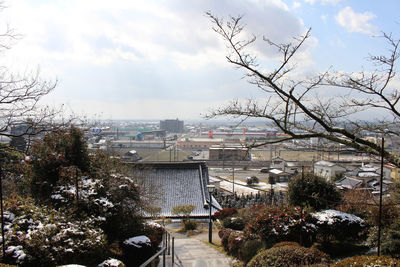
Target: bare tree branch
(295, 107)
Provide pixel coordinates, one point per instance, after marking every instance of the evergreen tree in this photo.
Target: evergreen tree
(312, 191)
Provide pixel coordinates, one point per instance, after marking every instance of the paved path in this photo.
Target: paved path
(192, 252)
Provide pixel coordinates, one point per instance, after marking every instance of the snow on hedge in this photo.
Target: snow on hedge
(138, 241)
(333, 216)
(111, 263)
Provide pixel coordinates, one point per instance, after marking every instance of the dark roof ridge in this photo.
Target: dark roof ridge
(167, 165)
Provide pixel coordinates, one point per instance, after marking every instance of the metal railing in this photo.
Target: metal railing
(165, 250)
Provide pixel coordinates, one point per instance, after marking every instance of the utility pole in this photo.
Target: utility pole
(2, 214)
(233, 178)
(380, 199)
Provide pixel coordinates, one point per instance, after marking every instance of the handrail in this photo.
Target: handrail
(165, 249)
(153, 257)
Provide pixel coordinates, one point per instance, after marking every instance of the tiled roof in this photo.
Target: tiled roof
(179, 184)
(349, 183)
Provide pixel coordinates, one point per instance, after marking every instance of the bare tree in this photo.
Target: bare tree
(295, 106)
(20, 112)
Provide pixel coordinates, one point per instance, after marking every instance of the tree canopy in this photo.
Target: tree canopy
(312, 191)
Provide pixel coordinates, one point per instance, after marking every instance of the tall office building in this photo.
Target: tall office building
(172, 126)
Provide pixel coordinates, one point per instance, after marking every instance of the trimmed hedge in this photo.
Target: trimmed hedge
(289, 256)
(224, 235)
(276, 224)
(249, 249)
(225, 213)
(235, 242)
(235, 223)
(287, 243)
(361, 261)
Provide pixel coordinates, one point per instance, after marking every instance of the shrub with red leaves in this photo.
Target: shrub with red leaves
(224, 235)
(222, 214)
(276, 224)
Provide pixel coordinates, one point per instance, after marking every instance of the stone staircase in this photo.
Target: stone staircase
(195, 253)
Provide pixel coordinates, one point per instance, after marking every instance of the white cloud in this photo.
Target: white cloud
(356, 22)
(331, 2)
(156, 55)
(311, 2)
(324, 2)
(296, 4)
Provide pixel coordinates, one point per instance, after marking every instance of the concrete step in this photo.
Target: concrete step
(194, 253)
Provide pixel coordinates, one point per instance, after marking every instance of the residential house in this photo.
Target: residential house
(348, 183)
(279, 175)
(394, 172)
(328, 170)
(286, 166)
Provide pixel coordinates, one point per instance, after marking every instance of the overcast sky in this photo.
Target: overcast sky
(160, 59)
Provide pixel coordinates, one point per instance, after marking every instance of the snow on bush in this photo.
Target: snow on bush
(40, 236)
(111, 263)
(275, 224)
(333, 216)
(138, 241)
(337, 225)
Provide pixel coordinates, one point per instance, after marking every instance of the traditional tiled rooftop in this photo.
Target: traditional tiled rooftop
(179, 183)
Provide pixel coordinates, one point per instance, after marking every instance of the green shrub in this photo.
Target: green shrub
(190, 225)
(390, 239)
(361, 261)
(335, 225)
(287, 243)
(235, 223)
(154, 232)
(277, 224)
(288, 256)
(250, 213)
(252, 180)
(185, 211)
(249, 249)
(224, 235)
(41, 236)
(341, 249)
(235, 241)
(312, 191)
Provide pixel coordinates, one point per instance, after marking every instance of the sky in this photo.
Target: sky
(160, 59)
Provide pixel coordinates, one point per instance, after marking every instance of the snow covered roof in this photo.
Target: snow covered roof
(367, 174)
(325, 163)
(275, 171)
(292, 164)
(180, 184)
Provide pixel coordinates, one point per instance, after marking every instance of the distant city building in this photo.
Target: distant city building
(172, 126)
(149, 144)
(229, 152)
(198, 143)
(286, 166)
